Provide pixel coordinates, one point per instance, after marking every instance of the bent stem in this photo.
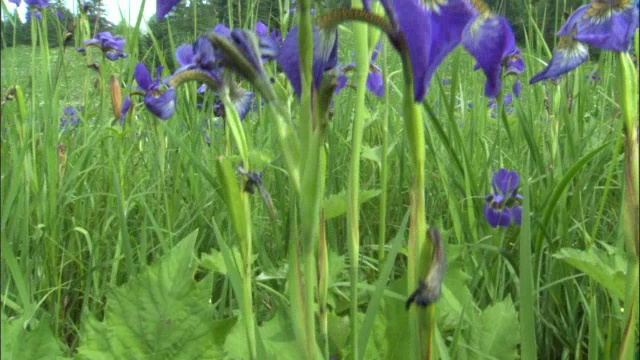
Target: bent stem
(421, 319)
(353, 233)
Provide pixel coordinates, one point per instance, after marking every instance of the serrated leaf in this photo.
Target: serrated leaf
(496, 333)
(336, 205)
(375, 153)
(21, 344)
(607, 269)
(276, 333)
(162, 314)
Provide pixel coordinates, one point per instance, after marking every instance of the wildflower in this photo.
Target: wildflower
(126, 105)
(199, 56)
(110, 45)
(607, 25)
(517, 88)
(161, 103)
(513, 64)
(430, 31)
(70, 118)
(503, 206)
(164, 6)
(325, 57)
(34, 8)
(375, 83)
(241, 100)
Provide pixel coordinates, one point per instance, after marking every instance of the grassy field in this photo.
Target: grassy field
(121, 241)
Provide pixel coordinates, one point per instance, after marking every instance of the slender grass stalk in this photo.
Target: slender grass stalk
(312, 140)
(628, 92)
(421, 320)
(384, 163)
(527, 318)
(353, 221)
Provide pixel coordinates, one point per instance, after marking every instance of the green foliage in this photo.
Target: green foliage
(607, 268)
(495, 333)
(28, 339)
(162, 314)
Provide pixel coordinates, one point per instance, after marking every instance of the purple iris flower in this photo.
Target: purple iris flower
(70, 118)
(325, 57)
(161, 104)
(514, 65)
(199, 56)
(517, 88)
(503, 206)
(31, 13)
(567, 55)
(33, 3)
(269, 42)
(164, 6)
(604, 24)
(241, 100)
(431, 31)
(126, 105)
(375, 83)
(490, 40)
(110, 45)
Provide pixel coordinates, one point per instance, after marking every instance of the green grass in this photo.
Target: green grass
(78, 224)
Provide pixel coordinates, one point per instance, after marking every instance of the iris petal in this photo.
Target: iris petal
(568, 55)
(375, 83)
(497, 218)
(415, 24)
(162, 106)
(605, 26)
(143, 77)
(164, 6)
(489, 39)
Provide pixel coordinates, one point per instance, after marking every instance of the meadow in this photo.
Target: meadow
(126, 236)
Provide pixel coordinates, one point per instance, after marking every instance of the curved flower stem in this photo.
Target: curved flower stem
(310, 185)
(628, 94)
(353, 232)
(421, 319)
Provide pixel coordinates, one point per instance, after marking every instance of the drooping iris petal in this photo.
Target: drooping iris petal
(514, 65)
(448, 22)
(516, 213)
(162, 106)
(110, 45)
(37, 3)
(184, 54)
(341, 83)
(242, 100)
(414, 23)
(126, 105)
(568, 55)
(223, 30)
(607, 25)
(497, 217)
(325, 57)
(164, 6)
(247, 43)
(517, 88)
(375, 83)
(261, 29)
(489, 40)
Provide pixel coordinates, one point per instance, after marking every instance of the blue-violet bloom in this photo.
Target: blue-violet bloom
(604, 24)
(110, 45)
(161, 104)
(503, 206)
(164, 6)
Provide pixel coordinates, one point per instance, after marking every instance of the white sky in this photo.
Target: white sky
(128, 8)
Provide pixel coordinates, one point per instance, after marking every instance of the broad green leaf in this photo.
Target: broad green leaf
(162, 314)
(336, 205)
(276, 333)
(496, 333)
(21, 344)
(452, 311)
(609, 270)
(375, 153)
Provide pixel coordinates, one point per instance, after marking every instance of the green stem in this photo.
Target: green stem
(421, 319)
(384, 166)
(353, 234)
